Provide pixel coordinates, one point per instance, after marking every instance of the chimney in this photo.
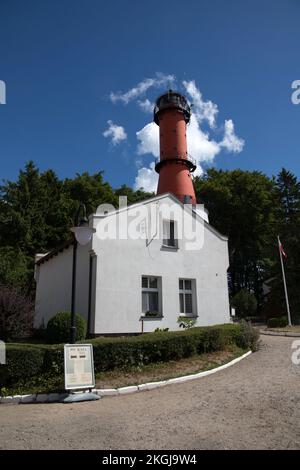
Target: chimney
(172, 113)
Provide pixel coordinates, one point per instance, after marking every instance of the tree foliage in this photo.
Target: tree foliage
(16, 313)
(244, 303)
(252, 209)
(241, 205)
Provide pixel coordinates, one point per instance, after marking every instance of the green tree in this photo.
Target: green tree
(245, 303)
(15, 268)
(33, 212)
(132, 196)
(89, 189)
(241, 206)
(287, 210)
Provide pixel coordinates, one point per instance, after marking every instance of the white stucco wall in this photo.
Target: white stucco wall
(122, 263)
(54, 285)
(118, 266)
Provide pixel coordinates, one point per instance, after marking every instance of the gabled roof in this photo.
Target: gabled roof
(136, 204)
(70, 242)
(55, 252)
(158, 198)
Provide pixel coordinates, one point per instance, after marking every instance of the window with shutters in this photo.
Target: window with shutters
(187, 296)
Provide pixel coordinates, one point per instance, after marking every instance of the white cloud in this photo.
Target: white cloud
(198, 143)
(203, 110)
(159, 81)
(147, 179)
(148, 138)
(230, 141)
(115, 132)
(146, 106)
(201, 145)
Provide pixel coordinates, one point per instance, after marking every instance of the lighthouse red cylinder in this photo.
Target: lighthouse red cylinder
(171, 114)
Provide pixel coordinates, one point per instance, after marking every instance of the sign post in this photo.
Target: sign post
(79, 372)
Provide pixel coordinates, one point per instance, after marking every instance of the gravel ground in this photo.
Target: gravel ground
(252, 405)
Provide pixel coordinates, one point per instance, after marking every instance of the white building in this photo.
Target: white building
(150, 263)
(140, 262)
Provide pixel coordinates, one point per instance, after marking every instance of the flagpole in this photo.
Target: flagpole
(284, 283)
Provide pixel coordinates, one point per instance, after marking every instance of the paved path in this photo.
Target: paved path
(255, 404)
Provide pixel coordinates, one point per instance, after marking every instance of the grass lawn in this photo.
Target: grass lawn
(166, 370)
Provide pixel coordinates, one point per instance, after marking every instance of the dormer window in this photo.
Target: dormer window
(169, 234)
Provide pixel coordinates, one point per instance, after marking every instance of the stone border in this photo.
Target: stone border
(56, 397)
(279, 333)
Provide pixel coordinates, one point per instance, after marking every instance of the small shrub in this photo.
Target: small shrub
(186, 323)
(160, 330)
(16, 313)
(278, 322)
(58, 328)
(215, 339)
(248, 337)
(245, 303)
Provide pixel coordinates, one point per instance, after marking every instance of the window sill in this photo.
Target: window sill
(189, 316)
(144, 317)
(169, 248)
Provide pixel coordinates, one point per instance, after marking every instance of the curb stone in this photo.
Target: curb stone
(42, 397)
(125, 390)
(102, 392)
(7, 399)
(279, 333)
(53, 397)
(152, 385)
(16, 398)
(28, 398)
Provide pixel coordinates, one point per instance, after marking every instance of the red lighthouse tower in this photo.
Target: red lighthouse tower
(171, 114)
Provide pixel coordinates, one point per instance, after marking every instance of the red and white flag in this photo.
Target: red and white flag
(281, 248)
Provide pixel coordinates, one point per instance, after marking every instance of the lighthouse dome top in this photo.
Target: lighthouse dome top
(172, 99)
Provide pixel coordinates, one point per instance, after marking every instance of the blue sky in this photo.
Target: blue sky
(61, 60)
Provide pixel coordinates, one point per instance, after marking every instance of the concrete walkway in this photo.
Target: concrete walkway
(254, 404)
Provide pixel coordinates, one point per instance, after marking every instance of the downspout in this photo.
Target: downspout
(90, 295)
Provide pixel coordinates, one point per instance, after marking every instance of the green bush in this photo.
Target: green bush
(43, 364)
(248, 337)
(27, 362)
(58, 328)
(245, 303)
(186, 322)
(278, 322)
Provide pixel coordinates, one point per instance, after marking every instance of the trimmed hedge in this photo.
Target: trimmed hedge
(26, 362)
(278, 322)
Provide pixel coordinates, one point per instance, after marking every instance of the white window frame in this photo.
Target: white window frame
(167, 234)
(185, 291)
(147, 290)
